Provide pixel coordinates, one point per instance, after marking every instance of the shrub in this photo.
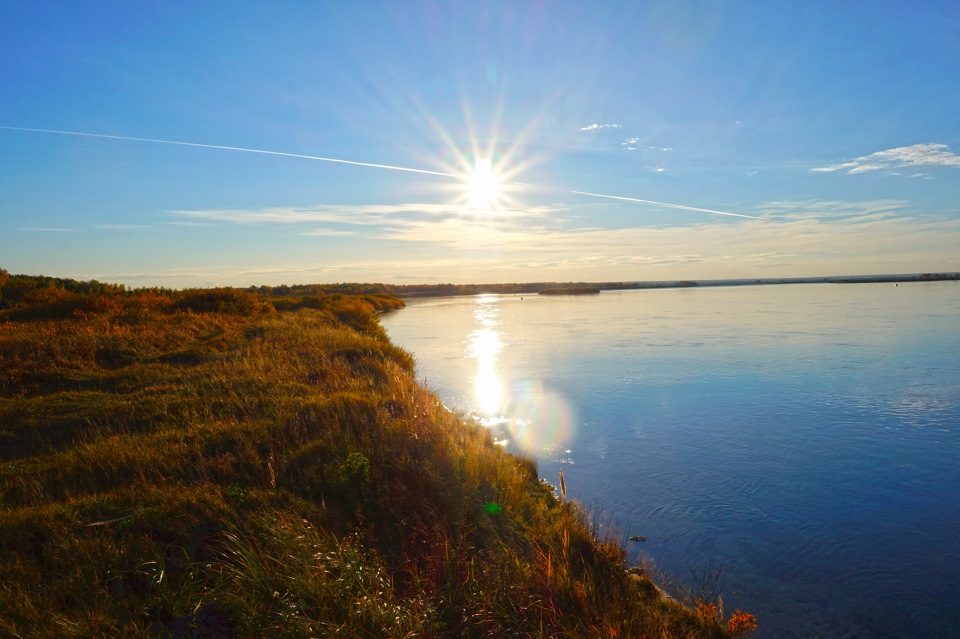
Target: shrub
(219, 300)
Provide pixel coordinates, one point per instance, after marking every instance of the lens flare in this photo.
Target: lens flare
(541, 419)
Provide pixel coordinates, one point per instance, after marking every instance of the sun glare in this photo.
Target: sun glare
(482, 186)
(487, 186)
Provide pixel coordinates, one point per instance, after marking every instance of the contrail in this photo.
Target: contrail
(354, 163)
(236, 148)
(664, 204)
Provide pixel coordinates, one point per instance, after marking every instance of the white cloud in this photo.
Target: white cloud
(366, 215)
(595, 126)
(915, 155)
(764, 256)
(829, 209)
(808, 242)
(794, 238)
(632, 144)
(356, 215)
(605, 261)
(749, 248)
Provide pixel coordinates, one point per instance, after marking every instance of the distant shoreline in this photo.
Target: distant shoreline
(554, 288)
(574, 290)
(423, 290)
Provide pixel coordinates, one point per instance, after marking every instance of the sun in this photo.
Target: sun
(486, 175)
(482, 186)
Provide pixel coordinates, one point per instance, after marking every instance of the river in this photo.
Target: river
(804, 440)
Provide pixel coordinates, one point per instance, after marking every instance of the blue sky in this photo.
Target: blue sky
(829, 130)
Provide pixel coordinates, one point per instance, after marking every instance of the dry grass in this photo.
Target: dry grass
(173, 463)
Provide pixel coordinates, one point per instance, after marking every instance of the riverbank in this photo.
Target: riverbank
(217, 463)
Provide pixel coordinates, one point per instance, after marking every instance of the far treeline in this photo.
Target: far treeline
(40, 296)
(15, 288)
(225, 463)
(426, 290)
(561, 288)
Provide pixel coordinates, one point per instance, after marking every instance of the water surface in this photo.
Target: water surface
(804, 438)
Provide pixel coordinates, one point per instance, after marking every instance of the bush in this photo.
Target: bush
(219, 300)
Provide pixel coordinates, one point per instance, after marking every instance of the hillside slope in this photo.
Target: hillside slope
(201, 464)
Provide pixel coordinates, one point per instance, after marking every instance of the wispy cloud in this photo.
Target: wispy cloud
(191, 224)
(47, 229)
(764, 256)
(830, 209)
(632, 144)
(362, 215)
(794, 238)
(127, 227)
(915, 155)
(326, 233)
(595, 126)
(604, 261)
(355, 215)
(786, 246)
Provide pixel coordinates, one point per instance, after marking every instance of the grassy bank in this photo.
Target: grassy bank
(221, 464)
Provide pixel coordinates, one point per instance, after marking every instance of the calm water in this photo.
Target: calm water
(804, 438)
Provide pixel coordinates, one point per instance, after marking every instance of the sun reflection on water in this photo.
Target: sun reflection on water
(484, 346)
(534, 418)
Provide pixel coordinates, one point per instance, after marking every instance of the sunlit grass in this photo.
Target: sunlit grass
(212, 460)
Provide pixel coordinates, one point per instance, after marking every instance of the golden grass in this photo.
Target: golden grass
(200, 461)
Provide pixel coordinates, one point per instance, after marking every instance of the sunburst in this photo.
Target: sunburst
(482, 187)
(487, 170)
(487, 186)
